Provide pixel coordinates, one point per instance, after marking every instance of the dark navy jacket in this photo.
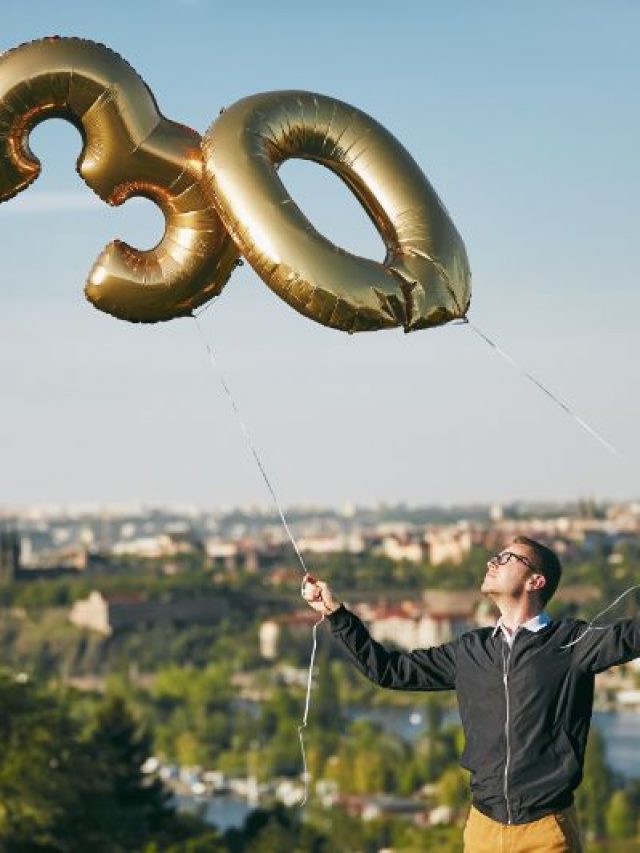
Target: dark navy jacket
(525, 710)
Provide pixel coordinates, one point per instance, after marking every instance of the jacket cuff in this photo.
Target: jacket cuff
(339, 619)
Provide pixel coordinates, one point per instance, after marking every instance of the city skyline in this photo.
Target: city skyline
(524, 123)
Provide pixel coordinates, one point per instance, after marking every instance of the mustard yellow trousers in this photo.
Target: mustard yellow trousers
(553, 833)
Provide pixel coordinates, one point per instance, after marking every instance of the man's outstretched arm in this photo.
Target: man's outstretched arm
(599, 649)
(422, 669)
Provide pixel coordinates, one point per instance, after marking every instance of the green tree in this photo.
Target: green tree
(69, 785)
(409, 777)
(266, 831)
(187, 749)
(122, 803)
(593, 795)
(453, 787)
(39, 765)
(368, 771)
(620, 816)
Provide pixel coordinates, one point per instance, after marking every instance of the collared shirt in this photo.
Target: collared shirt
(541, 620)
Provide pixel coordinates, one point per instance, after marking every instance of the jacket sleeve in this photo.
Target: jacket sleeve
(599, 649)
(422, 669)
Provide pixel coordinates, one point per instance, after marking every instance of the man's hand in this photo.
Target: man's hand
(318, 595)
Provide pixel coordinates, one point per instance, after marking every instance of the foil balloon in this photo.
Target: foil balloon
(129, 149)
(425, 278)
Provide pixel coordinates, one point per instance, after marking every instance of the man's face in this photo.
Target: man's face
(510, 578)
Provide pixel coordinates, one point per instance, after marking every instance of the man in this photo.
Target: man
(525, 694)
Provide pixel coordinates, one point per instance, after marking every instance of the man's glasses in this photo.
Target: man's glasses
(503, 558)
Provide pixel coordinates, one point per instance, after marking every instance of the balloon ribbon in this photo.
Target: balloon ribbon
(560, 403)
(278, 505)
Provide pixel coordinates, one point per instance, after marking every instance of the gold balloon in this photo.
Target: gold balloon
(129, 149)
(425, 278)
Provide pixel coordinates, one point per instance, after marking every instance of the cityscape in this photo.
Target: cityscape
(159, 604)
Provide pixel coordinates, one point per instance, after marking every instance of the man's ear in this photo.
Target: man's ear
(536, 582)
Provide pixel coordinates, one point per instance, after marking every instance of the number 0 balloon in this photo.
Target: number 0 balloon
(425, 279)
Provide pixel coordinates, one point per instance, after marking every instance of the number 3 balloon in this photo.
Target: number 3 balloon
(129, 149)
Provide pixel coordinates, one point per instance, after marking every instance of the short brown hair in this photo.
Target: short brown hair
(548, 564)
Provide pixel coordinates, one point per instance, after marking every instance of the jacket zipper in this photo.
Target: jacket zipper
(505, 679)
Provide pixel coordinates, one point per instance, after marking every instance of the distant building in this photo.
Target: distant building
(108, 614)
(9, 554)
(629, 699)
(450, 544)
(399, 547)
(47, 564)
(273, 630)
(335, 544)
(442, 544)
(376, 806)
(441, 616)
(496, 513)
(222, 554)
(155, 547)
(450, 613)
(245, 554)
(398, 624)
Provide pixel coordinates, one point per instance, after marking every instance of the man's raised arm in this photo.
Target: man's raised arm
(600, 648)
(422, 669)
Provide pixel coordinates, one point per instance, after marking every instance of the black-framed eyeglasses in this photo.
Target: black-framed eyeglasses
(503, 558)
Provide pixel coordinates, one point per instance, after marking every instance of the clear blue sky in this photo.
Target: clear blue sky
(525, 117)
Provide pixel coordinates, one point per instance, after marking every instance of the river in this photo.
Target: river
(225, 812)
(620, 730)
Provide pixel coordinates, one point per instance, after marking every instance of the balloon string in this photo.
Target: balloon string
(592, 627)
(307, 703)
(250, 444)
(560, 403)
(227, 390)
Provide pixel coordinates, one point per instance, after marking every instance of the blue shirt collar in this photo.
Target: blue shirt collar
(541, 620)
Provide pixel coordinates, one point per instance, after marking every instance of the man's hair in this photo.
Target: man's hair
(548, 564)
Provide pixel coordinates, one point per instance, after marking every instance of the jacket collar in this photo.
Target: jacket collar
(541, 620)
